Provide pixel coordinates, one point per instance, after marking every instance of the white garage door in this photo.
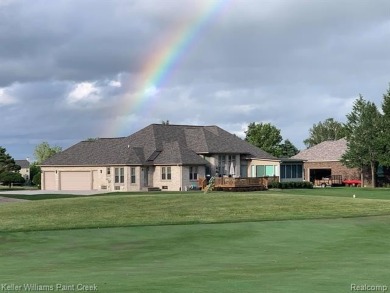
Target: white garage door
(49, 180)
(75, 180)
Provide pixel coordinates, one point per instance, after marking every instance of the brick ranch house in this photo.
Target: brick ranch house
(323, 160)
(168, 157)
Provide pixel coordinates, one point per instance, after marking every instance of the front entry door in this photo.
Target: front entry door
(146, 176)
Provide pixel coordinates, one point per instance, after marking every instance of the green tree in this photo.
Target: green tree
(7, 163)
(363, 129)
(43, 151)
(37, 179)
(8, 178)
(385, 128)
(288, 149)
(323, 131)
(265, 136)
(35, 170)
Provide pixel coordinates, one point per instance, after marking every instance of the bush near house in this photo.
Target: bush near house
(290, 185)
(37, 180)
(35, 172)
(9, 178)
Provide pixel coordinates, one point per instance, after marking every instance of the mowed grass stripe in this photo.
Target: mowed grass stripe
(279, 256)
(127, 210)
(370, 193)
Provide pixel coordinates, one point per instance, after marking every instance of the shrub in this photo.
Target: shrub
(291, 185)
(37, 179)
(9, 178)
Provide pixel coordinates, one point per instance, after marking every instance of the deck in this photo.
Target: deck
(240, 184)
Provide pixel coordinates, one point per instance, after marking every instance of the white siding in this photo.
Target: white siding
(173, 184)
(95, 180)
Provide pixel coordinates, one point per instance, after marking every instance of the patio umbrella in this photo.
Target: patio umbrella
(231, 170)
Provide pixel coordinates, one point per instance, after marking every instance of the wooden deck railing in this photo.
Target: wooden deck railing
(240, 182)
(230, 182)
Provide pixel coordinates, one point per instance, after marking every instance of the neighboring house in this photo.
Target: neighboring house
(24, 168)
(169, 157)
(323, 160)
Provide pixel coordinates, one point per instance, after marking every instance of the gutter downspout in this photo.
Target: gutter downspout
(181, 177)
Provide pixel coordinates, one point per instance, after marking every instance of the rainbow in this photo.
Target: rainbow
(160, 64)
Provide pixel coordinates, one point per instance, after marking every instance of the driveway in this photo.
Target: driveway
(77, 192)
(36, 192)
(6, 199)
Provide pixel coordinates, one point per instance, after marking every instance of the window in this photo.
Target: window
(222, 164)
(299, 171)
(253, 171)
(288, 171)
(291, 171)
(119, 175)
(132, 175)
(263, 170)
(166, 173)
(260, 171)
(193, 173)
(108, 170)
(269, 170)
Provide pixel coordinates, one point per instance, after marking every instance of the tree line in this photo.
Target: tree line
(366, 130)
(9, 169)
(268, 138)
(368, 136)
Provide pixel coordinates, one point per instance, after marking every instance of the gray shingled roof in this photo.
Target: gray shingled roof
(157, 144)
(330, 150)
(22, 163)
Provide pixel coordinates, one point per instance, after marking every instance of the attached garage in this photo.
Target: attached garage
(319, 174)
(49, 180)
(324, 160)
(75, 180)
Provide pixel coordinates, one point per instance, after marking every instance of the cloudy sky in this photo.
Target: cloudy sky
(77, 69)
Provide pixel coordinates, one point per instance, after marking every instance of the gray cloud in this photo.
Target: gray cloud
(66, 66)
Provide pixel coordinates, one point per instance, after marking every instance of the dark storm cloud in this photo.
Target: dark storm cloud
(73, 40)
(65, 66)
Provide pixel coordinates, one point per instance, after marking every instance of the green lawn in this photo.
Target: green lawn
(278, 256)
(180, 208)
(371, 193)
(318, 240)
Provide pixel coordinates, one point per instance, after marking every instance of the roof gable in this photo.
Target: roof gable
(331, 150)
(22, 163)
